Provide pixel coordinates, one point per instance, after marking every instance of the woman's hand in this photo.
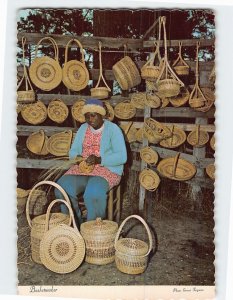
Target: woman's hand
(93, 160)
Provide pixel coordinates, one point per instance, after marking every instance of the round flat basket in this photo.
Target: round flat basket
(109, 111)
(198, 138)
(85, 168)
(181, 99)
(138, 100)
(176, 168)
(168, 87)
(212, 142)
(34, 113)
(210, 170)
(57, 111)
(149, 155)
(76, 111)
(59, 143)
(178, 138)
(149, 179)
(124, 110)
(37, 143)
(152, 100)
(75, 75)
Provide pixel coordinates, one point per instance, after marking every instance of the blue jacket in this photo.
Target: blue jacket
(112, 146)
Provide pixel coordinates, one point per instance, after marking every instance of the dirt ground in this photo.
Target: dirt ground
(183, 250)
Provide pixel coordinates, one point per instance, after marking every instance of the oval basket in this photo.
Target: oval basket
(155, 131)
(198, 138)
(178, 138)
(99, 236)
(152, 100)
(59, 143)
(138, 100)
(109, 111)
(176, 168)
(57, 111)
(62, 248)
(85, 168)
(37, 143)
(149, 155)
(149, 179)
(37, 224)
(131, 255)
(210, 170)
(212, 142)
(76, 111)
(124, 110)
(181, 99)
(34, 113)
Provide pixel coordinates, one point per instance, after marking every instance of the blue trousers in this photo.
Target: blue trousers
(94, 189)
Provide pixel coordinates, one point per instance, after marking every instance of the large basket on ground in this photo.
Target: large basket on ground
(210, 170)
(76, 110)
(124, 110)
(149, 179)
(149, 155)
(155, 131)
(177, 138)
(131, 255)
(38, 202)
(57, 111)
(198, 138)
(99, 236)
(34, 113)
(176, 168)
(37, 143)
(21, 200)
(59, 143)
(126, 73)
(37, 224)
(62, 248)
(45, 72)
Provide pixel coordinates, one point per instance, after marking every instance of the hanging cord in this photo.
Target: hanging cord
(101, 70)
(197, 68)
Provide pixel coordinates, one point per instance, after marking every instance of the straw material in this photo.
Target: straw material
(210, 99)
(21, 200)
(34, 113)
(155, 131)
(180, 66)
(85, 168)
(198, 138)
(124, 110)
(75, 75)
(176, 168)
(212, 142)
(132, 254)
(149, 179)
(165, 102)
(130, 131)
(99, 236)
(26, 96)
(210, 170)
(76, 111)
(109, 111)
(126, 73)
(62, 248)
(151, 86)
(37, 143)
(57, 111)
(181, 99)
(149, 155)
(37, 202)
(59, 143)
(168, 87)
(152, 100)
(139, 135)
(178, 138)
(138, 100)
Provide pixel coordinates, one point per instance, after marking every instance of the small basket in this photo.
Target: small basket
(132, 254)
(180, 66)
(198, 138)
(212, 142)
(178, 138)
(149, 155)
(57, 111)
(99, 236)
(62, 248)
(168, 87)
(181, 99)
(34, 113)
(26, 96)
(109, 111)
(76, 111)
(37, 143)
(138, 100)
(155, 131)
(125, 110)
(152, 100)
(210, 99)
(59, 143)
(149, 179)
(210, 170)
(176, 168)
(21, 200)
(85, 168)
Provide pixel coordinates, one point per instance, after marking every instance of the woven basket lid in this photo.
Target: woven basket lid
(34, 113)
(149, 155)
(76, 111)
(197, 137)
(176, 168)
(98, 227)
(181, 99)
(109, 111)
(21, 193)
(138, 100)
(178, 138)
(59, 143)
(149, 179)
(212, 142)
(57, 111)
(152, 100)
(37, 143)
(131, 246)
(85, 168)
(125, 110)
(210, 170)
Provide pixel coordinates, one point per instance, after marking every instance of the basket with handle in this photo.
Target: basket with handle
(124, 110)
(181, 99)
(178, 138)
(75, 75)
(45, 72)
(152, 100)
(57, 111)
(37, 142)
(149, 179)
(155, 131)
(180, 66)
(59, 143)
(100, 92)
(27, 95)
(99, 236)
(131, 255)
(198, 138)
(62, 248)
(76, 110)
(34, 113)
(37, 224)
(210, 99)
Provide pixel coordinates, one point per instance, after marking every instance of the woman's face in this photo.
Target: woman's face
(95, 120)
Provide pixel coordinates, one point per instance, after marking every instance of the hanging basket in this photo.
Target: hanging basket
(176, 168)
(59, 143)
(21, 200)
(151, 86)
(126, 73)
(125, 110)
(85, 168)
(178, 138)
(180, 66)
(35, 113)
(138, 100)
(152, 100)
(57, 111)
(38, 223)
(109, 111)
(198, 138)
(181, 99)
(76, 111)
(62, 248)
(75, 75)
(210, 170)
(149, 179)
(149, 155)
(45, 72)
(155, 131)
(209, 100)
(132, 254)
(37, 143)
(212, 142)
(168, 87)
(99, 236)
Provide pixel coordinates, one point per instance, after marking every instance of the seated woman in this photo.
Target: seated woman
(101, 143)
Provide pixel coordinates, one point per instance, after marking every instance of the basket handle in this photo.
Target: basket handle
(53, 42)
(176, 158)
(172, 131)
(145, 225)
(64, 194)
(80, 46)
(101, 70)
